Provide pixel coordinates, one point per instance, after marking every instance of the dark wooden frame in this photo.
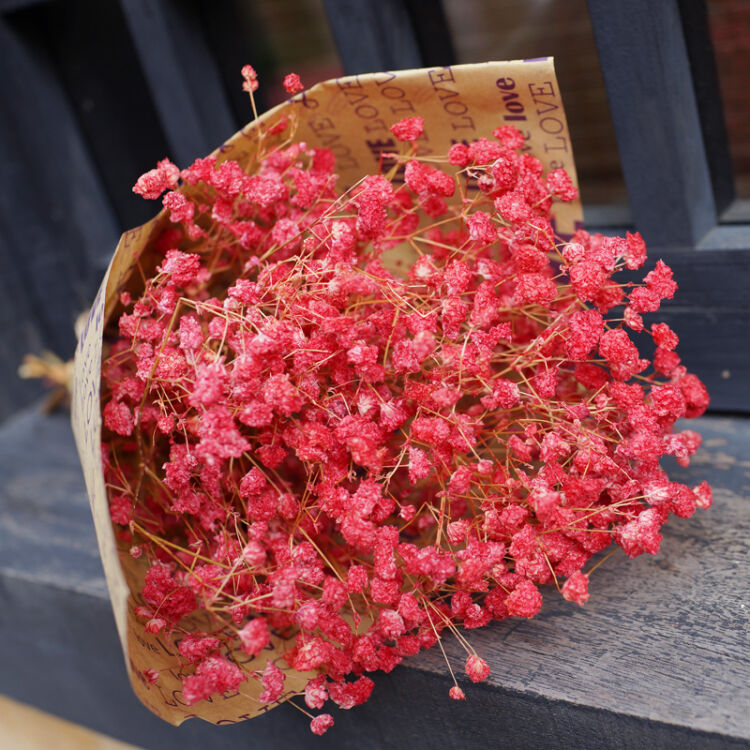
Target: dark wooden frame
(660, 74)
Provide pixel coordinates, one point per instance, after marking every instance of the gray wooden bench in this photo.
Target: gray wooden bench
(658, 658)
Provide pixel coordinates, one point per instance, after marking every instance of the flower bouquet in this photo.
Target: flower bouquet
(366, 382)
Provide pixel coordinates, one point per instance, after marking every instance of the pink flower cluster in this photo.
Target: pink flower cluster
(301, 441)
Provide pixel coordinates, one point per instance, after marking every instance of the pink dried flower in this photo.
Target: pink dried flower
(560, 185)
(408, 129)
(509, 136)
(525, 600)
(273, 683)
(250, 77)
(477, 669)
(344, 460)
(293, 84)
(315, 692)
(321, 723)
(212, 675)
(153, 183)
(576, 588)
(254, 636)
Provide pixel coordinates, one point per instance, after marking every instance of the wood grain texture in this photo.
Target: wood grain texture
(661, 81)
(103, 81)
(665, 637)
(659, 658)
(46, 528)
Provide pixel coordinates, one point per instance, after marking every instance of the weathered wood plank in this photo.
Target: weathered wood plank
(659, 657)
(21, 333)
(710, 279)
(714, 345)
(666, 638)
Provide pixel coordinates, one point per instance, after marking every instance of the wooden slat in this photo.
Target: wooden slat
(57, 226)
(111, 102)
(431, 31)
(21, 333)
(714, 346)
(659, 657)
(373, 35)
(650, 89)
(54, 212)
(663, 637)
(236, 36)
(705, 77)
(711, 315)
(182, 75)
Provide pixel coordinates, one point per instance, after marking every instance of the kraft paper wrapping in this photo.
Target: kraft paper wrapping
(351, 116)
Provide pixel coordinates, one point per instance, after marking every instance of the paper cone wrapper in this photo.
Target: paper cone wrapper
(352, 117)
